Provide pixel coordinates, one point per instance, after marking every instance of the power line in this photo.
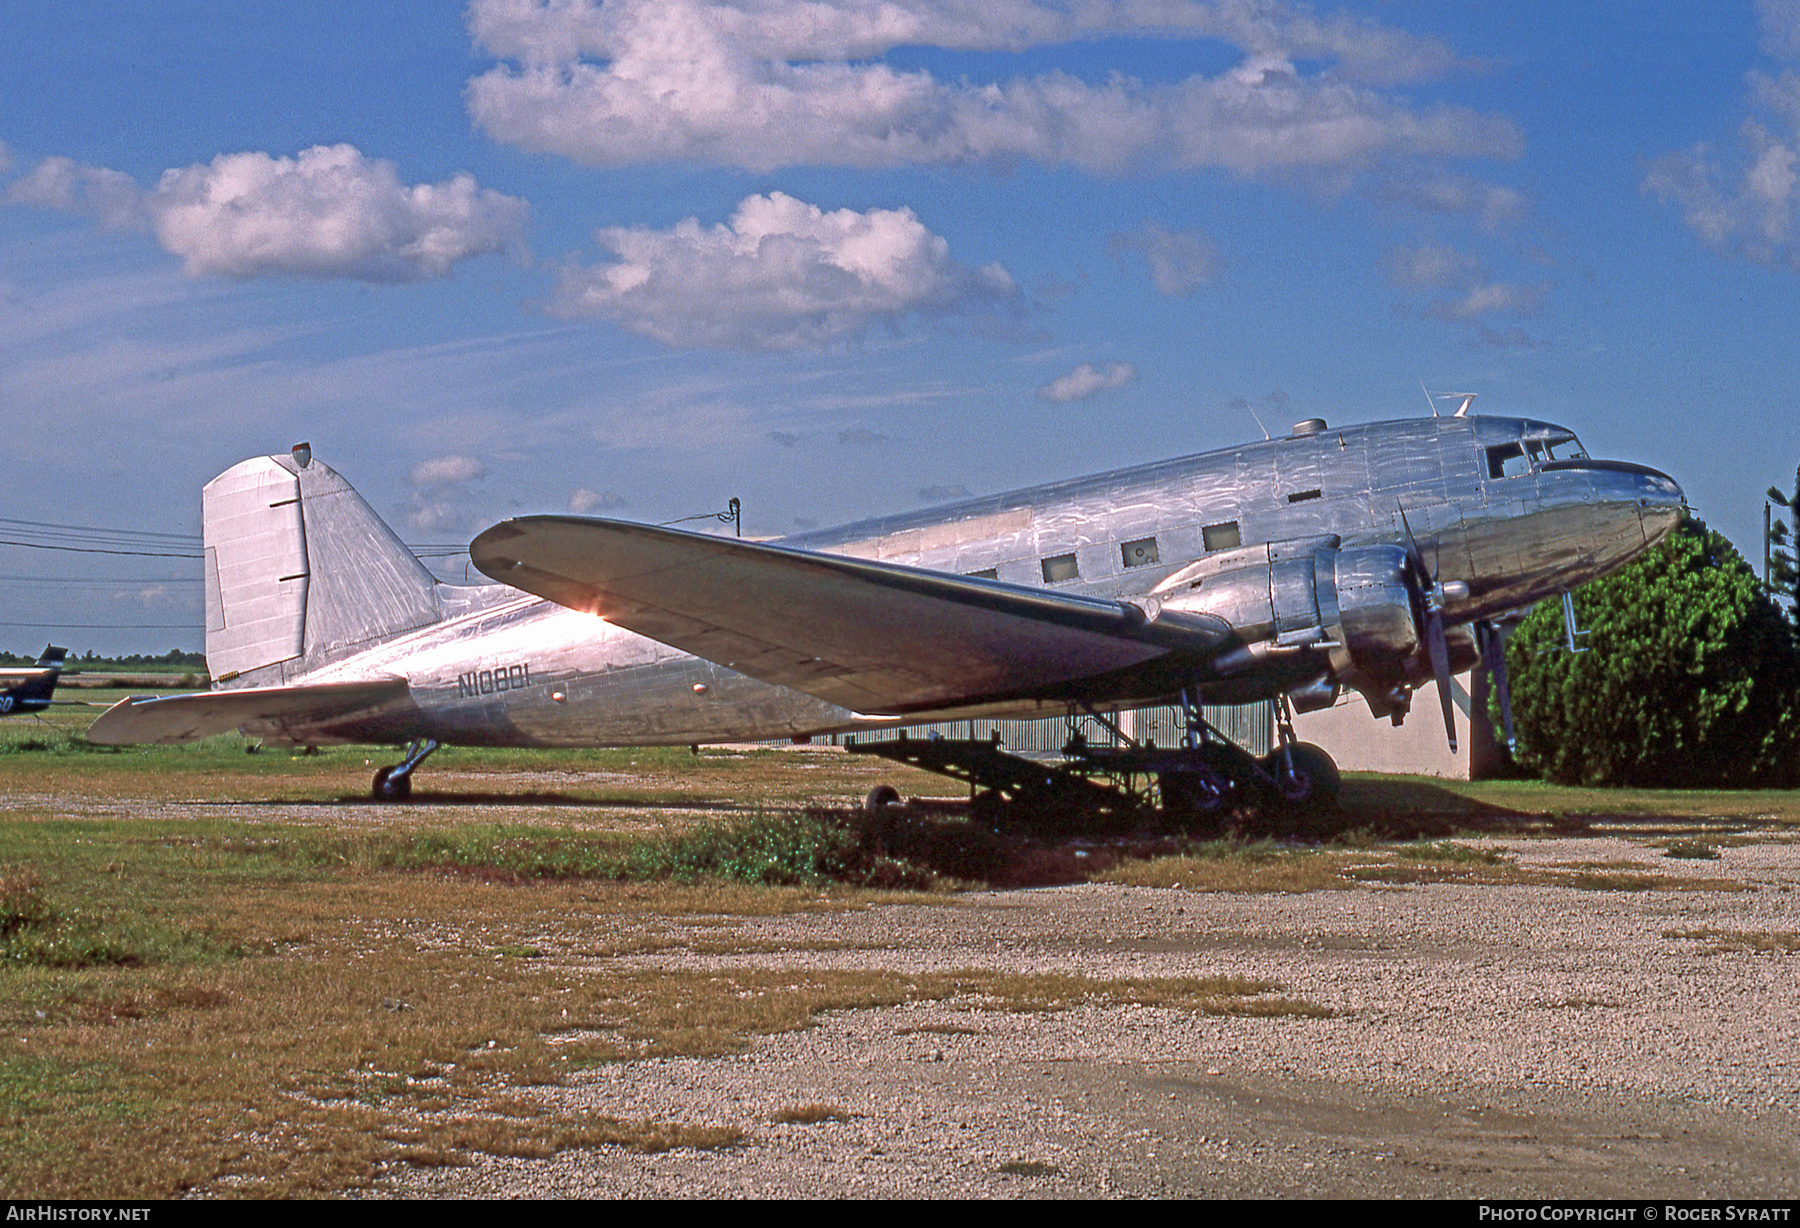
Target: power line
(110, 626)
(142, 554)
(100, 579)
(97, 539)
(90, 529)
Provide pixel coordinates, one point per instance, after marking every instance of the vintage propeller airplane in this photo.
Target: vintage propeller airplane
(1375, 557)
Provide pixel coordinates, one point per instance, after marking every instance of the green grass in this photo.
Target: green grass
(230, 973)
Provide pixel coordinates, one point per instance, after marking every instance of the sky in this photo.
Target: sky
(839, 258)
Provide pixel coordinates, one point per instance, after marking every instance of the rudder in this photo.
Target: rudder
(300, 572)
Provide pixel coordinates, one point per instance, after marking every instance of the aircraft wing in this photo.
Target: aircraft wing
(869, 636)
(141, 719)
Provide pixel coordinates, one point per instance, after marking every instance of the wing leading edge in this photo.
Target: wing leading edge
(869, 636)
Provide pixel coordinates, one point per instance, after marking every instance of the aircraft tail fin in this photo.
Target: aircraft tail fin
(301, 572)
(38, 686)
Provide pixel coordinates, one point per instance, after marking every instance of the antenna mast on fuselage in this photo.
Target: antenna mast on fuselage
(1462, 411)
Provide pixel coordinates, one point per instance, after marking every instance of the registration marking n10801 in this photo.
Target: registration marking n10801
(489, 681)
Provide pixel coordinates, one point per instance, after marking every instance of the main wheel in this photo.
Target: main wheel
(1310, 782)
(1198, 790)
(988, 809)
(391, 788)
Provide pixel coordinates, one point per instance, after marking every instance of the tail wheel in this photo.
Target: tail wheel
(392, 788)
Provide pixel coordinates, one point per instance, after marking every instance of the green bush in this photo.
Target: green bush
(1691, 678)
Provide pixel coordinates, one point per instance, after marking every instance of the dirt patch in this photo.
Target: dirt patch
(1502, 1040)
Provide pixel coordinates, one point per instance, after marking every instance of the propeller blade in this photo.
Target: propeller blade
(1412, 543)
(1430, 599)
(1440, 670)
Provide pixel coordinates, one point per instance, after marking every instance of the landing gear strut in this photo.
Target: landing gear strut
(394, 784)
(1199, 784)
(1304, 776)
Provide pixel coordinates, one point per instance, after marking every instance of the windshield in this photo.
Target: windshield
(1511, 460)
(1555, 448)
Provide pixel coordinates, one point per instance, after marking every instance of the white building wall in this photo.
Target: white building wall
(1362, 742)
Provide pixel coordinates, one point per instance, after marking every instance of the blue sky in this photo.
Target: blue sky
(841, 257)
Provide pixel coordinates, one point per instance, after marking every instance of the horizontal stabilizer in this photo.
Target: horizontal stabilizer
(872, 637)
(164, 720)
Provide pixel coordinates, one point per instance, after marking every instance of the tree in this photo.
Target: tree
(1691, 678)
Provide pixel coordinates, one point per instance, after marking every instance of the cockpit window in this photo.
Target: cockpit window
(1565, 448)
(1507, 460)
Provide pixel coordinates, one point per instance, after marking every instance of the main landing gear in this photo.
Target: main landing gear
(1206, 783)
(394, 784)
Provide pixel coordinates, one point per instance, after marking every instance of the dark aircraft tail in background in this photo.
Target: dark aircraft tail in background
(29, 690)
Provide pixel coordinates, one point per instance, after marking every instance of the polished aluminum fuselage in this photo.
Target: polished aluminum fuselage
(518, 670)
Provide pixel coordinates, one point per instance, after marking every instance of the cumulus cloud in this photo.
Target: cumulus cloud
(1433, 264)
(330, 212)
(1466, 290)
(1084, 381)
(1180, 261)
(781, 273)
(1493, 205)
(442, 499)
(584, 501)
(1780, 21)
(762, 84)
(1476, 301)
(111, 198)
(1743, 201)
(786, 439)
(448, 471)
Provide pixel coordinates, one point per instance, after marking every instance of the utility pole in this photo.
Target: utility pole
(1781, 546)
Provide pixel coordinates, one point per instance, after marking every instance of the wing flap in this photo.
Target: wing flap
(867, 635)
(165, 720)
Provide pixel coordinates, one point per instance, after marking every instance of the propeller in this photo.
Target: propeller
(1431, 595)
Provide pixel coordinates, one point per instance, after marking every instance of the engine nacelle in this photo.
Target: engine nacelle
(1379, 608)
(1283, 593)
(1331, 617)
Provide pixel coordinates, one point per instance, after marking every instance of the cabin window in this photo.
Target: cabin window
(1222, 536)
(1060, 568)
(1301, 496)
(986, 573)
(1507, 460)
(1140, 553)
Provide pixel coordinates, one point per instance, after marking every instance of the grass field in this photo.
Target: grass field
(230, 973)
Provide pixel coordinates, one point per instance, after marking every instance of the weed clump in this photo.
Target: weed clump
(782, 850)
(22, 902)
(1692, 850)
(896, 851)
(810, 848)
(35, 931)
